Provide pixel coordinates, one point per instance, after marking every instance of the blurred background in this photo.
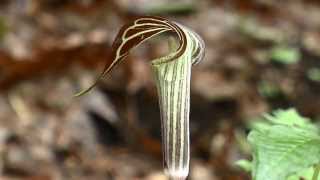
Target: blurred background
(261, 55)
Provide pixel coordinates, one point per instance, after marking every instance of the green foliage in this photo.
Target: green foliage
(306, 174)
(283, 144)
(245, 165)
(314, 74)
(285, 55)
(268, 89)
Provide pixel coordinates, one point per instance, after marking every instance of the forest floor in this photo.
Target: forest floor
(260, 56)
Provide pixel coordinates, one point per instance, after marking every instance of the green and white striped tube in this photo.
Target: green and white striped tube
(173, 85)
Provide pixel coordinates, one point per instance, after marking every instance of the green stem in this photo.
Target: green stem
(316, 172)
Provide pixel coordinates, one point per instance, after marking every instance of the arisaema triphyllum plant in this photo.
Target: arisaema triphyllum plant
(172, 74)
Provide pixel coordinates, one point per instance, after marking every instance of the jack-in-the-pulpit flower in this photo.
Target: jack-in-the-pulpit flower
(173, 75)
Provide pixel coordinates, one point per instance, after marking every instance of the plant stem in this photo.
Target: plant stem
(316, 172)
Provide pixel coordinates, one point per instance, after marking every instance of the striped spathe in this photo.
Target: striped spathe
(173, 75)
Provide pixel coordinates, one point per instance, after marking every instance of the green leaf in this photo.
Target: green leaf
(291, 118)
(285, 55)
(314, 74)
(304, 174)
(288, 144)
(268, 89)
(245, 165)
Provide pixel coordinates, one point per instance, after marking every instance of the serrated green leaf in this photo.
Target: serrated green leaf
(291, 118)
(288, 145)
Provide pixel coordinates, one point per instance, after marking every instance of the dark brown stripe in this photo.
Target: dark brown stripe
(138, 29)
(128, 45)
